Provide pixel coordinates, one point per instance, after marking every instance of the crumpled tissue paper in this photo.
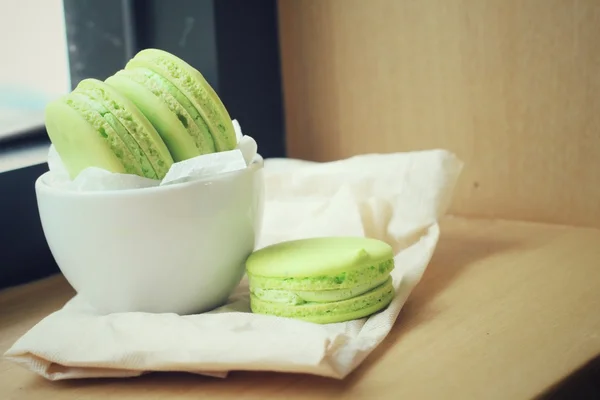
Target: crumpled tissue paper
(397, 198)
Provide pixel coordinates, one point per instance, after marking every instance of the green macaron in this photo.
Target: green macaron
(96, 126)
(179, 102)
(321, 280)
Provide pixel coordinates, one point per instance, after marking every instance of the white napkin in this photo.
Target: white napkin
(394, 197)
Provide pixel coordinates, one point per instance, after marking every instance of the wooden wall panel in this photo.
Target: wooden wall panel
(511, 86)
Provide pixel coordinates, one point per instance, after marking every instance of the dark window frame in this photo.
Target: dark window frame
(234, 43)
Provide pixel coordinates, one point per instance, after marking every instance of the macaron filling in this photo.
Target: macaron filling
(147, 139)
(196, 89)
(315, 296)
(131, 144)
(183, 108)
(337, 311)
(117, 144)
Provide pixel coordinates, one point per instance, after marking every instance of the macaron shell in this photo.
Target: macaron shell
(316, 257)
(195, 87)
(151, 146)
(172, 121)
(95, 143)
(324, 313)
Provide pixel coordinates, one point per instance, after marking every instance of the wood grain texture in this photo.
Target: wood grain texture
(505, 310)
(511, 86)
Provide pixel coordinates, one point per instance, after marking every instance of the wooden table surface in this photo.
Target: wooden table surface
(505, 310)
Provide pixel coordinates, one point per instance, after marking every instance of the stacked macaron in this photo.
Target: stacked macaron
(321, 280)
(156, 111)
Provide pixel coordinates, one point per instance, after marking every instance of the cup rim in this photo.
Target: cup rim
(42, 186)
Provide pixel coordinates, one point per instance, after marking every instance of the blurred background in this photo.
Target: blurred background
(511, 86)
(34, 65)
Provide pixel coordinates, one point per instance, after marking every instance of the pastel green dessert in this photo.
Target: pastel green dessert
(95, 126)
(156, 111)
(178, 101)
(321, 280)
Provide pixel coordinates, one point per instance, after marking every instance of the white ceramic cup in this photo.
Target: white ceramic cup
(177, 248)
